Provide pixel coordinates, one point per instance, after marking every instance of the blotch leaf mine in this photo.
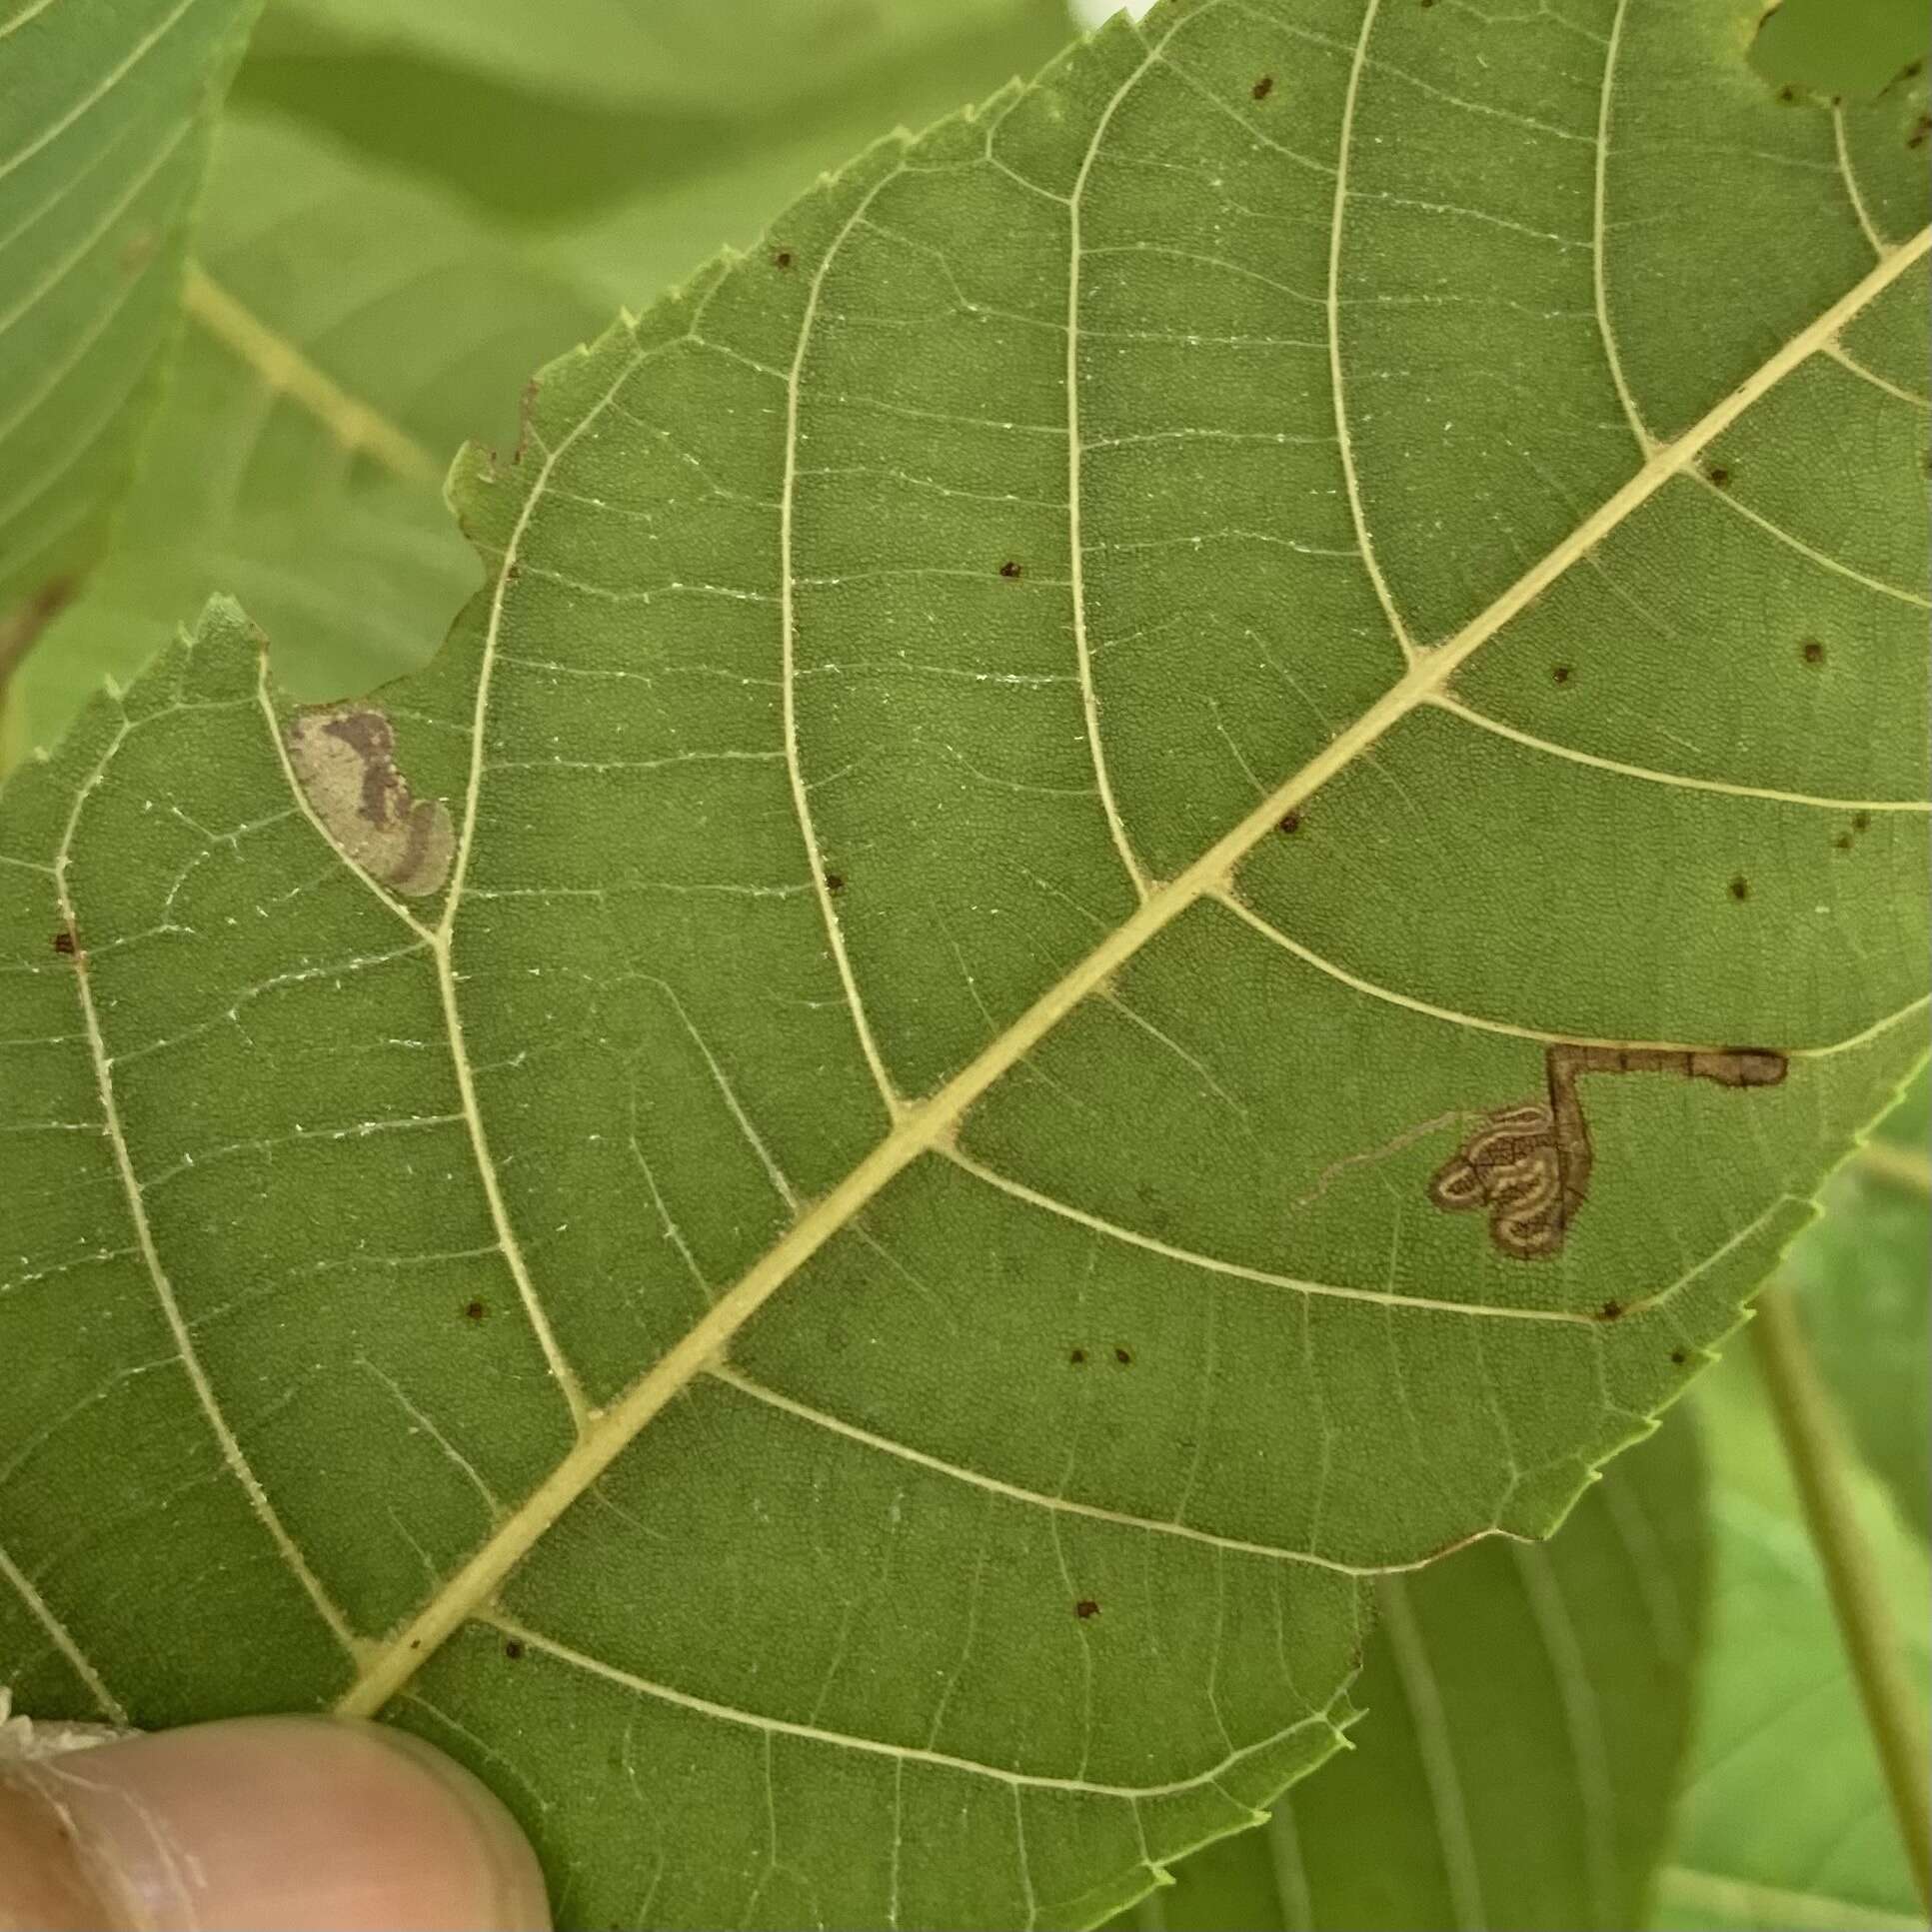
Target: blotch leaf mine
(343, 760)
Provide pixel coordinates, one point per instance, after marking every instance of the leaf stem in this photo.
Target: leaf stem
(1815, 1451)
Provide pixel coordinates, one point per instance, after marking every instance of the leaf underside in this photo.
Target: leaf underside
(1163, 859)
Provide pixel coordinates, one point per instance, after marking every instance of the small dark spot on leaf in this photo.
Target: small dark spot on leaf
(1911, 70)
(474, 1311)
(1122, 1356)
(781, 257)
(1843, 841)
(1076, 1357)
(1610, 1312)
(1920, 129)
(1009, 570)
(1787, 95)
(1086, 1608)
(1290, 823)
(1720, 475)
(834, 882)
(512, 1648)
(1560, 674)
(1740, 888)
(1679, 1356)
(511, 571)
(1861, 822)
(64, 942)
(1812, 651)
(1264, 87)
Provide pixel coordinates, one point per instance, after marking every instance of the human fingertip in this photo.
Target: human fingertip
(275, 1823)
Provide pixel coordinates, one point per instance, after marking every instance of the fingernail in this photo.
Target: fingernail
(289, 1823)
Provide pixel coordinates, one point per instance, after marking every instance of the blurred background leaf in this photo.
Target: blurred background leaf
(1527, 1709)
(542, 114)
(1784, 1824)
(366, 299)
(728, 63)
(1861, 1276)
(105, 113)
(345, 330)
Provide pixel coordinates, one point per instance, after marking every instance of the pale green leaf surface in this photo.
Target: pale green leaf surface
(1785, 1824)
(105, 112)
(1526, 1709)
(864, 1272)
(1861, 1273)
(345, 332)
(535, 113)
(667, 54)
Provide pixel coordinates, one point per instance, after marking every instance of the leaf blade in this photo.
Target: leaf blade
(622, 1058)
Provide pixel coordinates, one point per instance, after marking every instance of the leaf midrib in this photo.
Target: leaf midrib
(931, 1124)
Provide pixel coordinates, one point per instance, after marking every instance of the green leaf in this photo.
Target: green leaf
(545, 114)
(668, 54)
(348, 328)
(807, 1199)
(1847, 47)
(1785, 1824)
(1862, 1276)
(345, 332)
(104, 122)
(1527, 1709)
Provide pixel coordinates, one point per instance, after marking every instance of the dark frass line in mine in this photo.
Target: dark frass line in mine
(1529, 1165)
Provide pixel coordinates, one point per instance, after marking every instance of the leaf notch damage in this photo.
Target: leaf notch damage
(345, 759)
(1529, 1164)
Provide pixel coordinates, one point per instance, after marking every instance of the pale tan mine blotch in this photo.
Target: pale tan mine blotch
(344, 756)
